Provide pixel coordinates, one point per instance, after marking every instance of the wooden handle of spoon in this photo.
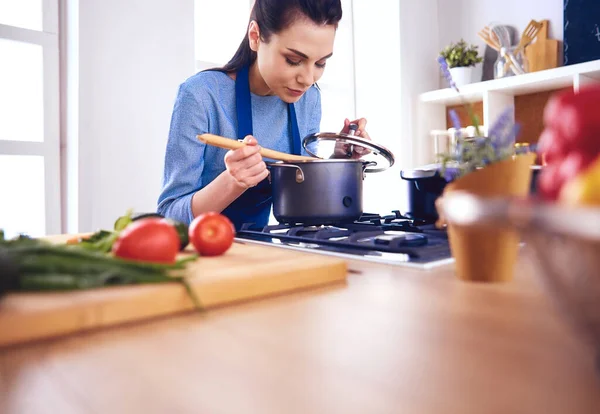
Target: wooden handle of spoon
(233, 144)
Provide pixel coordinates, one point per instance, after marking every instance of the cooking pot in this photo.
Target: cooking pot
(326, 190)
(422, 186)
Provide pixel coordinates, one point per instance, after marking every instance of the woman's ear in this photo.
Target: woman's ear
(253, 35)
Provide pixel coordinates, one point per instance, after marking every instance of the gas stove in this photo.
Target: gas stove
(391, 239)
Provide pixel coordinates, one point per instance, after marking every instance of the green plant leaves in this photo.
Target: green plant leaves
(461, 54)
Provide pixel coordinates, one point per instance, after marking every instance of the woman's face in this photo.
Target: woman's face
(292, 60)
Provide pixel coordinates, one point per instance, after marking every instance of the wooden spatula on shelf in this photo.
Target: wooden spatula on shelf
(528, 36)
(232, 144)
(491, 39)
(543, 54)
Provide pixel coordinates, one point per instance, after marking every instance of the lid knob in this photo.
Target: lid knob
(352, 128)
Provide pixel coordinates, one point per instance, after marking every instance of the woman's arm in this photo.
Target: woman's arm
(245, 169)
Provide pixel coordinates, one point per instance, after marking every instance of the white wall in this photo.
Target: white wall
(133, 55)
(464, 18)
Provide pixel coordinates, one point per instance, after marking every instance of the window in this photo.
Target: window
(220, 27)
(29, 118)
(337, 83)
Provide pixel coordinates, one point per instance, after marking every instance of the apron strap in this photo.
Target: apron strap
(255, 203)
(296, 144)
(243, 103)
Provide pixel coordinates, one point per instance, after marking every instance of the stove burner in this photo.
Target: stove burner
(369, 234)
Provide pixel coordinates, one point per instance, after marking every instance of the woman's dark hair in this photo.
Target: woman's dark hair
(273, 16)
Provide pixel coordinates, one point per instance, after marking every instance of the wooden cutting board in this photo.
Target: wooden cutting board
(243, 273)
(543, 52)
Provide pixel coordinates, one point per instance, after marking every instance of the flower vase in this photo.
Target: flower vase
(484, 254)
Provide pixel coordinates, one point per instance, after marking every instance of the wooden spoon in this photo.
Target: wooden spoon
(232, 144)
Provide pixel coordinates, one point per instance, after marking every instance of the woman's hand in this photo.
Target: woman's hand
(342, 151)
(361, 131)
(245, 165)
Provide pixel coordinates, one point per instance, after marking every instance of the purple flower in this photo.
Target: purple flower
(504, 131)
(459, 150)
(446, 72)
(455, 119)
(450, 173)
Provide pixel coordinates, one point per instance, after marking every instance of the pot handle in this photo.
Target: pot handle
(299, 172)
(368, 164)
(417, 178)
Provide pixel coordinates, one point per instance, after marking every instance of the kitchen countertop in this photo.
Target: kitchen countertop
(393, 339)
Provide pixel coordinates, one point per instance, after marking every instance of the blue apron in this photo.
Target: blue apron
(254, 205)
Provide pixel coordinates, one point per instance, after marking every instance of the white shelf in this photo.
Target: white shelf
(496, 95)
(545, 80)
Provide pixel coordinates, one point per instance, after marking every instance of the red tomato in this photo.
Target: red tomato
(211, 234)
(575, 118)
(148, 240)
(552, 146)
(573, 164)
(549, 182)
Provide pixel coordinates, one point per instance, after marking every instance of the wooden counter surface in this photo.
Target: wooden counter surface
(392, 340)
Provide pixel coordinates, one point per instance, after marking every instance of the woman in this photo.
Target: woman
(267, 94)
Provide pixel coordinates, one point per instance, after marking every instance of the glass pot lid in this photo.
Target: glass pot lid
(329, 145)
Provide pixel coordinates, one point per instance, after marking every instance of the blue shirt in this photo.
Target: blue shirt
(206, 104)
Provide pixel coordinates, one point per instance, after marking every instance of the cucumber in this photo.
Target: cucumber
(139, 216)
(124, 221)
(182, 231)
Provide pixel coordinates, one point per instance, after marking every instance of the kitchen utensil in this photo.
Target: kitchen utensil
(500, 33)
(529, 34)
(543, 54)
(421, 187)
(232, 144)
(326, 191)
(502, 68)
(492, 39)
(244, 272)
(329, 145)
(565, 243)
(317, 192)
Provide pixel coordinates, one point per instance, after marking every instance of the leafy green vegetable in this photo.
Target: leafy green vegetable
(101, 241)
(35, 265)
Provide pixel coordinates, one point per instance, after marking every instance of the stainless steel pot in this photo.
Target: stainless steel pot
(319, 191)
(325, 188)
(329, 188)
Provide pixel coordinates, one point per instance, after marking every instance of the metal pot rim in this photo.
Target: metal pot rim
(318, 160)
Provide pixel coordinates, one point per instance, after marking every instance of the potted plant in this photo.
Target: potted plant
(485, 165)
(462, 60)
